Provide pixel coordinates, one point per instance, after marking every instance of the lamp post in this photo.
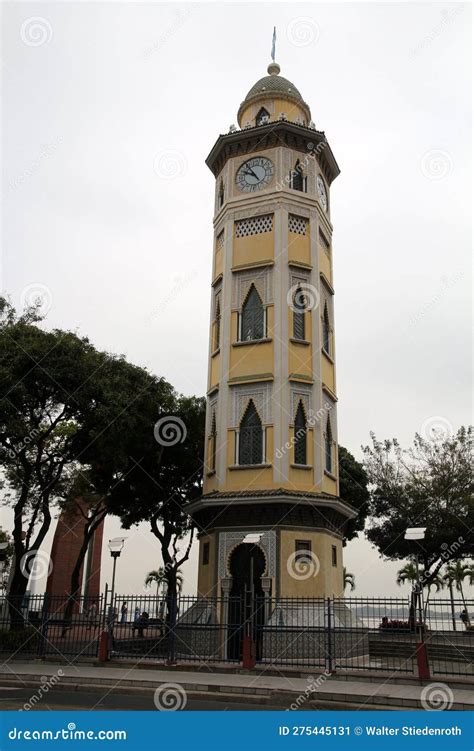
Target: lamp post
(115, 547)
(418, 533)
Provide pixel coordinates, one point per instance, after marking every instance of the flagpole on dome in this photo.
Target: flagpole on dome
(273, 68)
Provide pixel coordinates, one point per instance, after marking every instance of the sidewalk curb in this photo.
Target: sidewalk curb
(454, 681)
(275, 697)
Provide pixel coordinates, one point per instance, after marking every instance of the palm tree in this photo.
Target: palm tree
(407, 574)
(159, 576)
(455, 574)
(471, 574)
(348, 579)
(438, 582)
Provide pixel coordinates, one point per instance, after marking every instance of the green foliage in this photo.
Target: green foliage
(430, 485)
(158, 577)
(353, 489)
(163, 480)
(67, 412)
(407, 574)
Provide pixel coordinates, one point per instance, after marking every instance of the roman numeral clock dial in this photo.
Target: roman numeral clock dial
(254, 174)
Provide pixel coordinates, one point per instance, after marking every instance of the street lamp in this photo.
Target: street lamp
(115, 547)
(416, 533)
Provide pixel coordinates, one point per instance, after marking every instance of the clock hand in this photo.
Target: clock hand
(251, 172)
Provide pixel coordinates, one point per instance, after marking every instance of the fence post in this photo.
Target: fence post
(329, 658)
(103, 651)
(104, 613)
(43, 627)
(103, 640)
(421, 651)
(172, 634)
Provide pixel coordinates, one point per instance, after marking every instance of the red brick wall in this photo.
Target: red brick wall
(65, 550)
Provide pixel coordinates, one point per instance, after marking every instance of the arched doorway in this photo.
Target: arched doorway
(246, 600)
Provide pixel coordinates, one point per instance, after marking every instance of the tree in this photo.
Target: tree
(353, 489)
(71, 419)
(348, 579)
(164, 479)
(438, 583)
(50, 387)
(455, 574)
(407, 574)
(430, 485)
(159, 577)
(5, 561)
(122, 430)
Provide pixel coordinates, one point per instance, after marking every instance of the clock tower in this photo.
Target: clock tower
(270, 518)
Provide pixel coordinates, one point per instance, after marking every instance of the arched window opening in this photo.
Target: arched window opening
(297, 177)
(326, 331)
(263, 117)
(220, 200)
(298, 314)
(300, 435)
(251, 437)
(328, 447)
(252, 323)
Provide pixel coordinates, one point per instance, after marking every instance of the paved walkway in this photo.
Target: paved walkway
(283, 690)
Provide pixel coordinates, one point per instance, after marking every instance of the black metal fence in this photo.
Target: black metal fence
(346, 634)
(44, 626)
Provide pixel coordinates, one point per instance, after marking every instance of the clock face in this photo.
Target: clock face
(322, 195)
(255, 174)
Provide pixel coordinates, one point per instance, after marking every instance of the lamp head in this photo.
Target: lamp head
(415, 533)
(116, 546)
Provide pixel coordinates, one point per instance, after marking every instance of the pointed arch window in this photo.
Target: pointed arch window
(251, 437)
(213, 444)
(252, 319)
(217, 325)
(300, 436)
(297, 177)
(299, 307)
(326, 331)
(263, 117)
(220, 198)
(328, 447)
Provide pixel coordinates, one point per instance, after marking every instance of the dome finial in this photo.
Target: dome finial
(274, 39)
(273, 69)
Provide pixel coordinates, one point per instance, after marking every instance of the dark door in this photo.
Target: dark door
(246, 615)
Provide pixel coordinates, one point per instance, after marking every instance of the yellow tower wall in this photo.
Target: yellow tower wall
(329, 578)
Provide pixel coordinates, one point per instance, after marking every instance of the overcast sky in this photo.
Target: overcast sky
(109, 111)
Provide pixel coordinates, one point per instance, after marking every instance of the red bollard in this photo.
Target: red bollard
(422, 660)
(248, 653)
(104, 646)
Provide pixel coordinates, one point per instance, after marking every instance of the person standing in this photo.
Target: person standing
(91, 616)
